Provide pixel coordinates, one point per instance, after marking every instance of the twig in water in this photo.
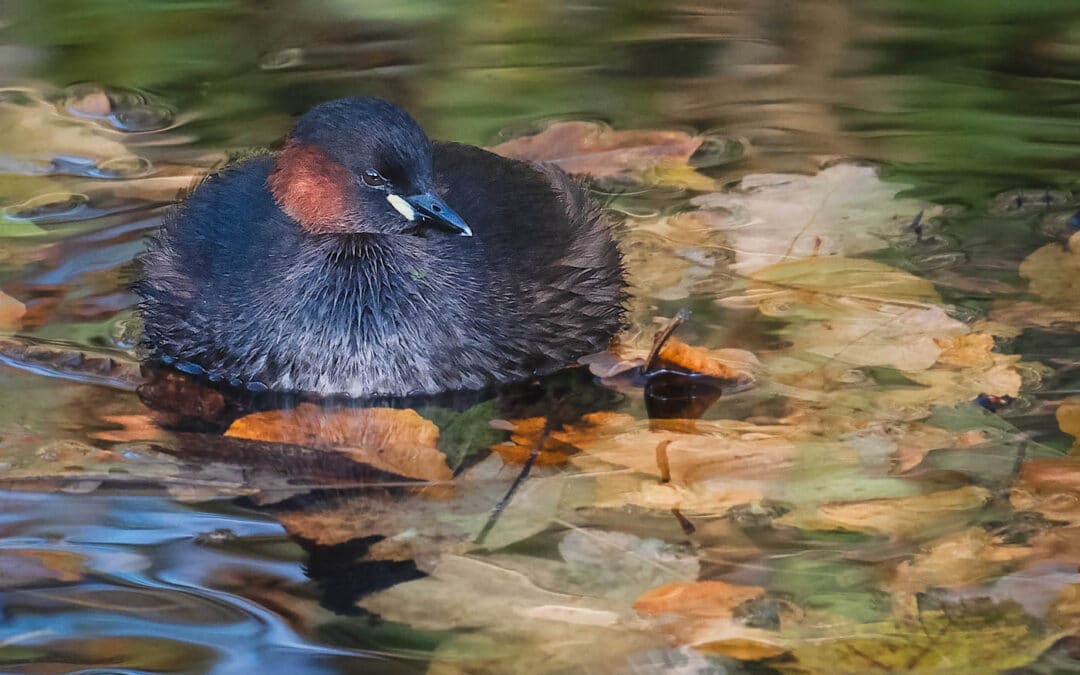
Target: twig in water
(662, 461)
(663, 336)
(522, 475)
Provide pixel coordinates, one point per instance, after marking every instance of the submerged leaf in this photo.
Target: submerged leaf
(704, 599)
(981, 639)
(917, 516)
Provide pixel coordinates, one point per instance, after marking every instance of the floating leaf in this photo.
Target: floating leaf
(1068, 417)
(844, 209)
(587, 148)
(397, 441)
(11, 312)
(704, 599)
(1053, 273)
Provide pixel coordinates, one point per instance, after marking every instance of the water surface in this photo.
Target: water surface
(128, 548)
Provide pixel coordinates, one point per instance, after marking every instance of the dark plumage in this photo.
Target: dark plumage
(301, 272)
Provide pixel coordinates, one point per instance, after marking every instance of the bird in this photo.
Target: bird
(365, 260)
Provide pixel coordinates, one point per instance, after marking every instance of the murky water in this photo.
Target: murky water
(856, 487)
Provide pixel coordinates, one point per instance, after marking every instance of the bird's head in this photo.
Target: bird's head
(360, 165)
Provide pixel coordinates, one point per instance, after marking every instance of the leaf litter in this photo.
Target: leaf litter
(801, 522)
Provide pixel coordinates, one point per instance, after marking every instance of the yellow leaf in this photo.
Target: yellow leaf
(1068, 417)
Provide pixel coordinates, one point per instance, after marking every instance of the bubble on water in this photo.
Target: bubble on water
(124, 167)
(1029, 200)
(717, 150)
(146, 117)
(122, 109)
(87, 100)
(16, 97)
(125, 332)
(118, 167)
(51, 206)
(1060, 224)
(938, 261)
(854, 376)
(282, 59)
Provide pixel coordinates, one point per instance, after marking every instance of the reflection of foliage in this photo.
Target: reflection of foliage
(973, 80)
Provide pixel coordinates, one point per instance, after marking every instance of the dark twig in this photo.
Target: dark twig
(663, 336)
(522, 475)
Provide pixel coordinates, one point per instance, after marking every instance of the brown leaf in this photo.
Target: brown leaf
(559, 445)
(742, 648)
(28, 567)
(1050, 487)
(136, 427)
(1068, 417)
(399, 441)
(11, 312)
(1053, 273)
(899, 516)
(700, 599)
(966, 351)
(599, 151)
(960, 559)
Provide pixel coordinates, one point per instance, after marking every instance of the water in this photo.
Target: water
(128, 548)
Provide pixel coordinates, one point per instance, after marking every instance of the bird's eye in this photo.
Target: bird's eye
(373, 178)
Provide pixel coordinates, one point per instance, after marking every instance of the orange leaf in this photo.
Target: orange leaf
(701, 599)
(678, 355)
(559, 445)
(399, 441)
(11, 312)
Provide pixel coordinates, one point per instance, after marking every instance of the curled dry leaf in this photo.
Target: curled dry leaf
(587, 148)
(398, 441)
(723, 364)
(736, 365)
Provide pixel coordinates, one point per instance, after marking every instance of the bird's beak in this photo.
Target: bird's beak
(430, 207)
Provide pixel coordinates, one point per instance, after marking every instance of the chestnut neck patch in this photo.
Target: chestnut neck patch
(311, 188)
